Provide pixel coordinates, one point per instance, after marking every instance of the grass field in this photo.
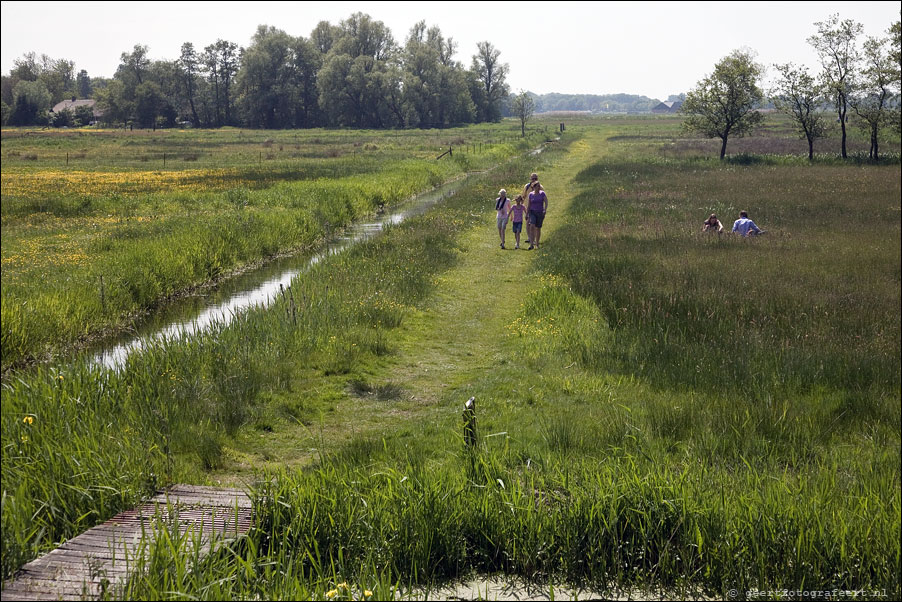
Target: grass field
(100, 227)
(657, 408)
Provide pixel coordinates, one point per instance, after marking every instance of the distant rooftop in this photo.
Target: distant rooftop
(669, 106)
(73, 104)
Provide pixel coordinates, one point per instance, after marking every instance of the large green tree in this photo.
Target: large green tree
(220, 61)
(725, 103)
(797, 94)
(835, 43)
(133, 66)
(491, 75)
(875, 89)
(421, 78)
(359, 83)
(523, 107)
(434, 84)
(189, 67)
(31, 103)
(266, 82)
(307, 61)
(57, 75)
(149, 104)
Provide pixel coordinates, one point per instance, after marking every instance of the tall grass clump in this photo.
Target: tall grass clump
(101, 440)
(636, 522)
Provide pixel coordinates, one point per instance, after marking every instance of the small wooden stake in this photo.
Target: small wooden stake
(470, 422)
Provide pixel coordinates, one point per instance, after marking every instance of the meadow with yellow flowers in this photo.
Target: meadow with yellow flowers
(659, 409)
(93, 237)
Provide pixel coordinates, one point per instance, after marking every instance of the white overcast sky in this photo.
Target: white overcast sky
(649, 48)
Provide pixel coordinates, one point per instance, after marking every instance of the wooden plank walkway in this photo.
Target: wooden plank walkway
(102, 557)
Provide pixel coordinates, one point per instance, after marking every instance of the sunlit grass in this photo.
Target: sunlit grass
(175, 404)
(664, 410)
(87, 251)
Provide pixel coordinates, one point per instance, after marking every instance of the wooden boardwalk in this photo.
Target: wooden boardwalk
(102, 558)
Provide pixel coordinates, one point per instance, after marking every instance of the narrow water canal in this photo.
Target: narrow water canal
(257, 288)
(260, 287)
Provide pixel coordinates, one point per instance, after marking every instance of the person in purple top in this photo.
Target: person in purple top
(533, 178)
(538, 206)
(746, 227)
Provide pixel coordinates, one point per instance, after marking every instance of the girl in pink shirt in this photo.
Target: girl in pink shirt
(517, 211)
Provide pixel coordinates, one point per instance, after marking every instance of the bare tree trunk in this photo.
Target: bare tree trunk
(810, 148)
(723, 148)
(194, 112)
(842, 123)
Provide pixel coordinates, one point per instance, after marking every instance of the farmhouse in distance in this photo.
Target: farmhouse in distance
(668, 107)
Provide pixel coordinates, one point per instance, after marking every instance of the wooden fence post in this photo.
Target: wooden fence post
(293, 309)
(470, 422)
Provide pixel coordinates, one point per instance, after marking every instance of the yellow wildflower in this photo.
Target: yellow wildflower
(331, 593)
(28, 420)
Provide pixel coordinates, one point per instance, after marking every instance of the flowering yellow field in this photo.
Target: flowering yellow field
(38, 184)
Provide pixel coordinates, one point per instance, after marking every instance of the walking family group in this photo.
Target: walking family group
(533, 213)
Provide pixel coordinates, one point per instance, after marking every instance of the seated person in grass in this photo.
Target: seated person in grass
(712, 224)
(517, 211)
(746, 227)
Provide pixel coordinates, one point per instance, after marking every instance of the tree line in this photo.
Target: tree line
(857, 84)
(352, 74)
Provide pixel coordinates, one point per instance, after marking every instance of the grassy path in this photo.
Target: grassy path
(464, 333)
(438, 351)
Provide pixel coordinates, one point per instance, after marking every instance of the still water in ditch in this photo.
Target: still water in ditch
(255, 288)
(195, 314)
